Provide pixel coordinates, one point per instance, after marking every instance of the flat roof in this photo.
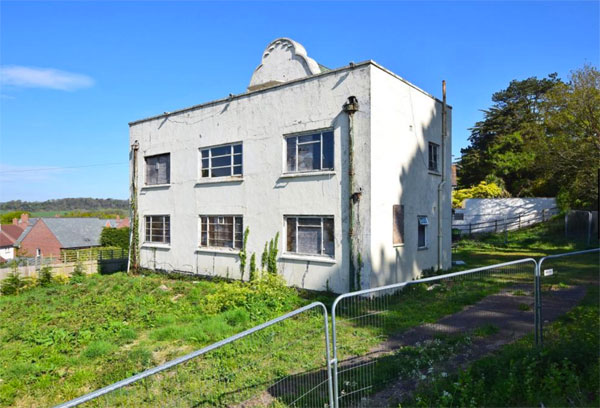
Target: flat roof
(268, 89)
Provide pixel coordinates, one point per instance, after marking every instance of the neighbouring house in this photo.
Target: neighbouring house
(349, 166)
(117, 223)
(48, 236)
(9, 234)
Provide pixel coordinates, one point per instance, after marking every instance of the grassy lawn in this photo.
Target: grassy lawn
(61, 341)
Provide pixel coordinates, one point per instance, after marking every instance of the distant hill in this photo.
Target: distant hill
(66, 204)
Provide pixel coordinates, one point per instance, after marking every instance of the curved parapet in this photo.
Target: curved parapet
(283, 60)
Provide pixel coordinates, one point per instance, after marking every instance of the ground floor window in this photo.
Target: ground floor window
(310, 235)
(158, 229)
(222, 231)
(422, 232)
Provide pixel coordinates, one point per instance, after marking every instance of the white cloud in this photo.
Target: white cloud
(32, 77)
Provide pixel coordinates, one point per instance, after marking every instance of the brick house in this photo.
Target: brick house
(48, 236)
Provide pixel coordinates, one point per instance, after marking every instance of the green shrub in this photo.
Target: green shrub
(253, 271)
(115, 237)
(13, 283)
(45, 278)
(78, 274)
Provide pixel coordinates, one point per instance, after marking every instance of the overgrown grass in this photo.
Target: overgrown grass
(565, 373)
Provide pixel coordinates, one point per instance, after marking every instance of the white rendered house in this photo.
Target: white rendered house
(348, 165)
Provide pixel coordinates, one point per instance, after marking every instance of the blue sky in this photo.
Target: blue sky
(75, 73)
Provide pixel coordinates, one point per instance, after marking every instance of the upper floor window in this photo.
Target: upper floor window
(158, 229)
(222, 161)
(310, 235)
(224, 231)
(158, 169)
(309, 152)
(433, 156)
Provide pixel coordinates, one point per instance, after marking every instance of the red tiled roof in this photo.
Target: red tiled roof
(5, 240)
(13, 231)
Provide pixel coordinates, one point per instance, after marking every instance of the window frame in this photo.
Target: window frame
(436, 157)
(231, 165)
(146, 168)
(166, 233)
(321, 226)
(297, 135)
(210, 245)
(425, 226)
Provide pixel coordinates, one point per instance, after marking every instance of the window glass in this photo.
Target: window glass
(310, 235)
(312, 152)
(157, 229)
(221, 161)
(224, 231)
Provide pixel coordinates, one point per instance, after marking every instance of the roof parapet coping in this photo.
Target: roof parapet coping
(231, 97)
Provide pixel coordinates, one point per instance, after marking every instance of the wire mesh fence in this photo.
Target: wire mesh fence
(397, 336)
(283, 362)
(564, 280)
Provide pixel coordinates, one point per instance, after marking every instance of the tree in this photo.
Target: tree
(502, 145)
(570, 152)
(7, 218)
(482, 190)
(115, 237)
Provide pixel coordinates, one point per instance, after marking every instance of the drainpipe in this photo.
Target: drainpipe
(443, 182)
(351, 107)
(133, 224)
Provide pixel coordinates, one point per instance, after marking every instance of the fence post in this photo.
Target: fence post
(566, 224)
(470, 229)
(519, 221)
(495, 225)
(589, 234)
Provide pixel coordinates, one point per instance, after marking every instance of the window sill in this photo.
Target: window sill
(155, 245)
(219, 180)
(155, 186)
(214, 250)
(308, 174)
(398, 245)
(422, 248)
(435, 173)
(309, 258)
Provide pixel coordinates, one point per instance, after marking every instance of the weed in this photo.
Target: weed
(45, 276)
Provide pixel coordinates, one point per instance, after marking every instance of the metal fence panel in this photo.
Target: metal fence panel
(561, 283)
(283, 362)
(387, 340)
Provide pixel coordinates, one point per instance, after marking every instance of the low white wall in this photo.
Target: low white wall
(488, 214)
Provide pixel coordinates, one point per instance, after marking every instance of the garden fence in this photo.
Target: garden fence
(284, 360)
(557, 293)
(581, 225)
(421, 327)
(91, 260)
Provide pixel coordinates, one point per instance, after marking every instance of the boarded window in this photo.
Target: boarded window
(158, 169)
(310, 235)
(398, 214)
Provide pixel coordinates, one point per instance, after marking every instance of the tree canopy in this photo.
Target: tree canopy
(540, 138)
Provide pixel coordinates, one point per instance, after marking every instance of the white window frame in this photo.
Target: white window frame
(320, 141)
(218, 216)
(231, 165)
(423, 220)
(436, 156)
(148, 182)
(164, 240)
(322, 246)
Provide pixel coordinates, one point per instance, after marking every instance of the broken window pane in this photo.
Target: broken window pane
(328, 233)
(291, 154)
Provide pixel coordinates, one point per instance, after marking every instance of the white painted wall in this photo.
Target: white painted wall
(389, 169)
(487, 210)
(404, 120)
(7, 252)
(260, 120)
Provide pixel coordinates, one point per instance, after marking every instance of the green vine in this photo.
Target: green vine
(243, 253)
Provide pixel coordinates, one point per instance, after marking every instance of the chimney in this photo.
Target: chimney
(25, 219)
(15, 221)
(118, 218)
